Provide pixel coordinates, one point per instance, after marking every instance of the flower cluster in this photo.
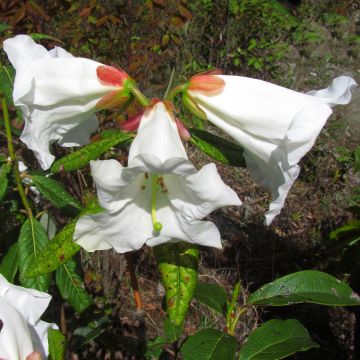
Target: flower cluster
(160, 196)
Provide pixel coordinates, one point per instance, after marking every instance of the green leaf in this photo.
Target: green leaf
(209, 344)
(178, 266)
(7, 83)
(276, 339)
(32, 240)
(61, 247)
(172, 331)
(218, 148)
(154, 347)
(84, 334)
(10, 263)
(57, 345)
(4, 171)
(305, 286)
(212, 295)
(54, 192)
(82, 157)
(71, 286)
(39, 37)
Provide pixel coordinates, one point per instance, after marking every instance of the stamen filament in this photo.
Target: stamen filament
(154, 185)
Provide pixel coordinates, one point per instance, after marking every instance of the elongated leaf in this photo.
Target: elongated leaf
(178, 265)
(10, 263)
(277, 339)
(71, 286)
(37, 37)
(154, 347)
(32, 240)
(57, 345)
(218, 148)
(212, 295)
(61, 247)
(4, 171)
(84, 334)
(6, 83)
(172, 331)
(209, 344)
(54, 192)
(305, 286)
(82, 157)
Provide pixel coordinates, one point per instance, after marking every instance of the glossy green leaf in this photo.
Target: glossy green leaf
(178, 266)
(10, 263)
(61, 247)
(212, 295)
(209, 344)
(84, 334)
(71, 286)
(4, 171)
(38, 36)
(54, 192)
(276, 339)
(218, 148)
(154, 347)
(57, 345)
(305, 286)
(82, 157)
(32, 240)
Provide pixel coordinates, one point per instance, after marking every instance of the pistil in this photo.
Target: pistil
(154, 188)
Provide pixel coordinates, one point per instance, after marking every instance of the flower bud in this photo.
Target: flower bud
(110, 75)
(206, 84)
(132, 123)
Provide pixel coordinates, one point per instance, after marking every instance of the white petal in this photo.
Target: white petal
(157, 136)
(57, 94)
(196, 196)
(20, 311)
(276, 126)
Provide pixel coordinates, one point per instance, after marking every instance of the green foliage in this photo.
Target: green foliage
(276, 339)
(209, 344)
(57, 345)
(212, 295)
(10, 263)
(4, 171)
(71, 286)
(32, 240)
(305, 286)
(218, 148)
(61, 247)
(54, 192)
(7, 81)
(178, 266)
(82, 157)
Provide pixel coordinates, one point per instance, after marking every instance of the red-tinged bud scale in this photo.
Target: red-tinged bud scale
(110, 75)
(183, 131)
(207, 84)
(111, 100)
(131, 124)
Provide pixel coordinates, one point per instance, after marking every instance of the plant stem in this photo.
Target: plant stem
(134, 284)
(14, 160)
(170, 82)
(139, 96)
(176, 90)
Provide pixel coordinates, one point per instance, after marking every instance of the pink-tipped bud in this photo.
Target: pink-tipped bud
(110, 75)
(131, 124)
(183, 131)
(207, 84)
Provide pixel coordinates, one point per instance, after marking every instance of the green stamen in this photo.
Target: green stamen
(154, 185)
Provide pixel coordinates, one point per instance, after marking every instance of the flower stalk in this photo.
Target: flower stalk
(14, 160)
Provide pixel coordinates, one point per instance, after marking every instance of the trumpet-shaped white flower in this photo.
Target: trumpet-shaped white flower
(58, 94)
(159, 197)
(21, 330)
(276, 126)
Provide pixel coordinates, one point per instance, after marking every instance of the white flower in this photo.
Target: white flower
(276, 126)
(159, 197)
(58, 94)
(21, 330)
